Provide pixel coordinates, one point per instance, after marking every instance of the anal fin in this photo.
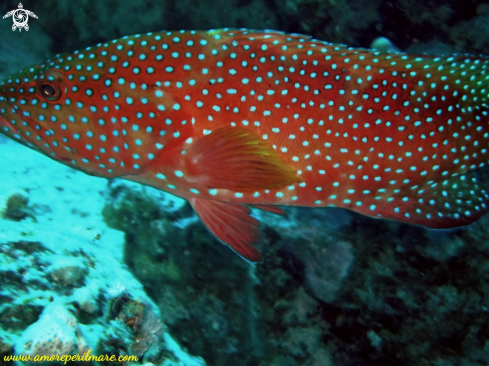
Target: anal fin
(456, 201)
(270, 208)
(231, 224)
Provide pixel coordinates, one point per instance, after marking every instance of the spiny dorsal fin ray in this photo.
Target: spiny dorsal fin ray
(272, 38)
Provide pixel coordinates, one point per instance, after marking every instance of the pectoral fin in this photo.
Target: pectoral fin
(239, 160)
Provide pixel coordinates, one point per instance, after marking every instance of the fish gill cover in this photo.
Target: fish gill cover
(333, 287)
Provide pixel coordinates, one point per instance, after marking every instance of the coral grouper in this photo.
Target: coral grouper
(232, 118)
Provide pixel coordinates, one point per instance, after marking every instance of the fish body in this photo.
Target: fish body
(232, 118)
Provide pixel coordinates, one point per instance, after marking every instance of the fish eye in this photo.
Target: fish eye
(50, 91)
(51, 85)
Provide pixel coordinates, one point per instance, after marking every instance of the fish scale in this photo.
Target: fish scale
(229, 118)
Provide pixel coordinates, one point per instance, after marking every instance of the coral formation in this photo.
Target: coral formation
(55, 333)
(14, 206)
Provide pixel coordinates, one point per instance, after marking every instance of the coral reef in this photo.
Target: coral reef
(64, 288)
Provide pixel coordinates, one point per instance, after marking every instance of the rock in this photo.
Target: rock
(327, 267)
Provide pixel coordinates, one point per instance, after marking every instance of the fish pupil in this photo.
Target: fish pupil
(48, 90)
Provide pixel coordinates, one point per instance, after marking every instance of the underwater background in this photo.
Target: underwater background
(121, 269)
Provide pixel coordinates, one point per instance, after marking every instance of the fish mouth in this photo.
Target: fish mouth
(26, 130)
(11, 126)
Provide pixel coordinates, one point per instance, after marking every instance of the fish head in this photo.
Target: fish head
(18, 92)
(35, 109)
(87, 111)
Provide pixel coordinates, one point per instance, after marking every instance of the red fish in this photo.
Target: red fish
(232, 118)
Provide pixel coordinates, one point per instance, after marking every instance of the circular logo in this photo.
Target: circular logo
(20, 18)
